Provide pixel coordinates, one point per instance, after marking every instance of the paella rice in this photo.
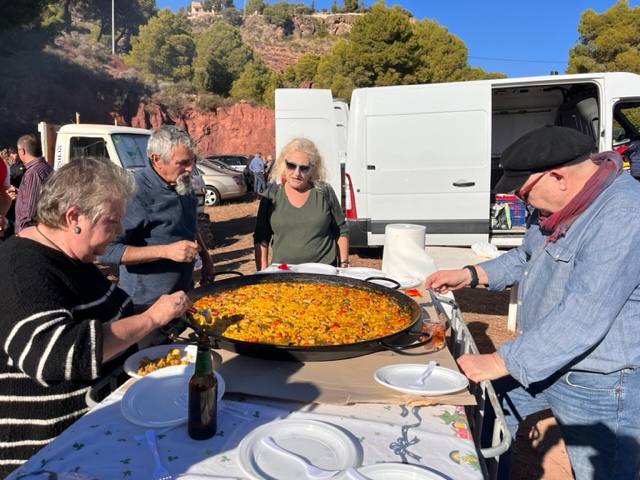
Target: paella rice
(301, 314)
(172, 357)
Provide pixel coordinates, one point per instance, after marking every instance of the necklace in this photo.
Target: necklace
(50, 241)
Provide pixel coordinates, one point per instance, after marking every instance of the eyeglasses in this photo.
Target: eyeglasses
(523, 192)
(304, 169)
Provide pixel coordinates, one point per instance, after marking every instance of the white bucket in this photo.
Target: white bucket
(404, 254)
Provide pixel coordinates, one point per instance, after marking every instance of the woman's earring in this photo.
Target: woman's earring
(77, 229)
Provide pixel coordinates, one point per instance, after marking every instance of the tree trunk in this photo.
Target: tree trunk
(66, 15)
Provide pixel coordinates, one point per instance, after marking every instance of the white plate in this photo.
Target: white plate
(402, 376)
(362, 273)
(132, 363)
(399, 471)
(160, 398)
(321, 443)
(321, 268)
(273, 268)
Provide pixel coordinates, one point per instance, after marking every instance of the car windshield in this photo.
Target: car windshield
(132, 149)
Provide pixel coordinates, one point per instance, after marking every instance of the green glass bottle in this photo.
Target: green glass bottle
(203, 396)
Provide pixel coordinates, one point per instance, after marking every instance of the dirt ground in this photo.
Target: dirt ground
(540, 451)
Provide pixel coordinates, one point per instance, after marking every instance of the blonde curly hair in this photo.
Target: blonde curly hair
(317, 175)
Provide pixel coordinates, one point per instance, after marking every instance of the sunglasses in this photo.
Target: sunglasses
(523, 192)
(292, 167)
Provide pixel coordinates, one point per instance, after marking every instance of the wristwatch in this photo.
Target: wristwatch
(474, 275)
(345, 263)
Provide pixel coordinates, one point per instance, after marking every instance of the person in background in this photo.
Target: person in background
(578, 275)
(158, 248)
(5, 199)
(300, 215)
(256, 167)
(16, 172)
(37, 170)
(62, 322)
(268, 165)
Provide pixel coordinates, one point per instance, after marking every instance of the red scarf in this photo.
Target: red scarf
(557, 224)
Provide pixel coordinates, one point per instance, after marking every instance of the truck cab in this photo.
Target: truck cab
(124, 146)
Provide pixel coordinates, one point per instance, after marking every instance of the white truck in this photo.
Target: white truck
(430, 154)
(124, 146)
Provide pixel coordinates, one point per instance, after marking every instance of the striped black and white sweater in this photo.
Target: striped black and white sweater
(51, 317)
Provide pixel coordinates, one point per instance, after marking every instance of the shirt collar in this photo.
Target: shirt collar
(33, 163)
(156, 180)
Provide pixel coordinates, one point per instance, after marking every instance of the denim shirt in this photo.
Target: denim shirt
(156, 215)
(578, 298)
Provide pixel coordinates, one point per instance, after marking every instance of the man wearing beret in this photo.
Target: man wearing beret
(578, 271)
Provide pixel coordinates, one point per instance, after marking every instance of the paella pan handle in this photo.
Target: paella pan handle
(396, 285)
(228, 272)
(401, 349)
(174, 329)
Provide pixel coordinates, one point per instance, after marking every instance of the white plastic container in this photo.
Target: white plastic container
(404, 254)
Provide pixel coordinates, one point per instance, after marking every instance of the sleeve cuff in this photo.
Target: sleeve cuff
(515, 368)
(113, 254)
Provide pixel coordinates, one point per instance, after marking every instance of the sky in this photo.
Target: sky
(515, 37)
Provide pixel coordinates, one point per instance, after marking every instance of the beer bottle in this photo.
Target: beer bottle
(203, 395)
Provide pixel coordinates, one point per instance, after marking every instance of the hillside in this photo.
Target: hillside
(279, 48)
(52, 79)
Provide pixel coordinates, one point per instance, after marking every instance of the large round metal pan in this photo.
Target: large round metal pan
(405, 336)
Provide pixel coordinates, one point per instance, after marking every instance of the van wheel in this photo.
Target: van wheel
(211, 196)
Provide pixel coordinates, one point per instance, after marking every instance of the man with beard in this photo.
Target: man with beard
(159, 243)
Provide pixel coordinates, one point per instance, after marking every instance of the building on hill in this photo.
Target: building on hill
(195, 8)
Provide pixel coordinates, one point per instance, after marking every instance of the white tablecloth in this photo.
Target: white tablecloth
(102, 444)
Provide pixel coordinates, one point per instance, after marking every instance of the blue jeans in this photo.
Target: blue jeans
(258, 182)
(598, 414)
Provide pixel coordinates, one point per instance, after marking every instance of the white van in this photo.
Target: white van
(430, 154)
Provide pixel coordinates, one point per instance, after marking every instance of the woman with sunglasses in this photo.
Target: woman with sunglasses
(299, 213)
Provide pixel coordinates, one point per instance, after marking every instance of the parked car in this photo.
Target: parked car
(220, 183)
(239, 163)
(236, 162)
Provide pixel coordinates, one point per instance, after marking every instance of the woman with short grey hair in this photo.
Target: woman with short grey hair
(63, 323)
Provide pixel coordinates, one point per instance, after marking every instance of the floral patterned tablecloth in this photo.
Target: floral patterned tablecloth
(104, 445)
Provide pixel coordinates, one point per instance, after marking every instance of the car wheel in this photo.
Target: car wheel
(211, 196)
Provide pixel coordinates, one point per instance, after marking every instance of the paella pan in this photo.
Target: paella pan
(305, 317)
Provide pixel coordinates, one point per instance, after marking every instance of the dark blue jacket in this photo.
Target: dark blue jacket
(156, 215)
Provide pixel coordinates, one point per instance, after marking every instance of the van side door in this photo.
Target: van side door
(425, 151)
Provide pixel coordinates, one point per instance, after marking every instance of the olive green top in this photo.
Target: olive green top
(300, 235)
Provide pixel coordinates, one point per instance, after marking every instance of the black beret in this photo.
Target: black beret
(539, 150)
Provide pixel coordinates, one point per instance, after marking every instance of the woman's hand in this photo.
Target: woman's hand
(168, 307)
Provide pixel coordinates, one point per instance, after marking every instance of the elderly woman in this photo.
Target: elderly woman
(300, 214)
(61, 320)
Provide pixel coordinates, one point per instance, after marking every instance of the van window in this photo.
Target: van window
(88, 147)
(132, 149)
(626, 122)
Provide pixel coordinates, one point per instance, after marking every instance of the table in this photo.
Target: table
(102, 444)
